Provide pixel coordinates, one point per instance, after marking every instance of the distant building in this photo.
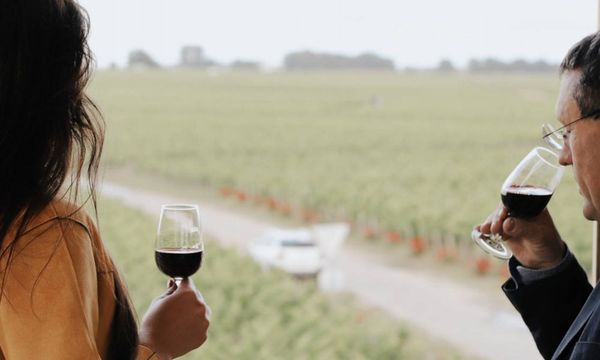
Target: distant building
(193, 56)
(139, 59)
(519, 65)
(307, 60)
(446, 66)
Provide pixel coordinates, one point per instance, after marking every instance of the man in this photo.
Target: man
(547, 286)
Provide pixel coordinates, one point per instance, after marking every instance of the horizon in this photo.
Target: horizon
(281, 66)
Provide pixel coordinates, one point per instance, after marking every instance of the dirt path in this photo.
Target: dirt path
(461, 315)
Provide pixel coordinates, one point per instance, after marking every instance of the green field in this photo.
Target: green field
(258, 315)
(421, 153)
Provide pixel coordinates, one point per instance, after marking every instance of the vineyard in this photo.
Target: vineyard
(409, 159)
(258, 315)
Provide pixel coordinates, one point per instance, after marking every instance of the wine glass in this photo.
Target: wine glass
(525, 193)
(179, 247)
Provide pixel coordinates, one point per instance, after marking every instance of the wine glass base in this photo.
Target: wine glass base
(491, 244)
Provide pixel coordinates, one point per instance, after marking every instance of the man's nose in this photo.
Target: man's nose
(564, 157)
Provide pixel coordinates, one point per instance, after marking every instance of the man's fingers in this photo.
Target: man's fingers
(509, 226)
(485, 228)
(491, 223)
(497, 219)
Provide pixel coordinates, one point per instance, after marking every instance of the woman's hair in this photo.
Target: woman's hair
(51, 133)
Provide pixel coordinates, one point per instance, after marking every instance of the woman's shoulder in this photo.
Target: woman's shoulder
(59, 220)
(62, 224)
(57, 249)
(61, 211)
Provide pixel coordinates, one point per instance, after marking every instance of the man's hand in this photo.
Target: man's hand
(534, 242)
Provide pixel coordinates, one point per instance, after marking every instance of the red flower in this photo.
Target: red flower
(442, 253)
(370, 232)
(417, 244)
(393, 237)
(285, 209)
(272, 204)
(241, 196)
(225, 190)
(482, 265)
(309, 215)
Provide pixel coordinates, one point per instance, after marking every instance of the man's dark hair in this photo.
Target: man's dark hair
(585, 57)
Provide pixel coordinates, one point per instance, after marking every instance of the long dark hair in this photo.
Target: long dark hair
(51, 133)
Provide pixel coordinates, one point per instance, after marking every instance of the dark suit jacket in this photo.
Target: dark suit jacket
(561, 312)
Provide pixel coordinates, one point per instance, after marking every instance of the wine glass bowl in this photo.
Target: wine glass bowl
(525, 194)
(179, 246)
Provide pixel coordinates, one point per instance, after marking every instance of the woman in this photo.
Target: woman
(60, 294)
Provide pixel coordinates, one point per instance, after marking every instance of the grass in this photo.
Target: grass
(412, 153)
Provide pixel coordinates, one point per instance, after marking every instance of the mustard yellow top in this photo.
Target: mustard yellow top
(58, 300)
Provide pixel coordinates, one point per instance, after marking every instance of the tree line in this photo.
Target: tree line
(195, 57)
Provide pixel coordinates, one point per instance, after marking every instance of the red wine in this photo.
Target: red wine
(525, 201)
(178, 263)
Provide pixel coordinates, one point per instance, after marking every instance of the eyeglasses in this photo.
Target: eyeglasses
(556, 137)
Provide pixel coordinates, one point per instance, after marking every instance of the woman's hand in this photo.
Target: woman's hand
(176, 322)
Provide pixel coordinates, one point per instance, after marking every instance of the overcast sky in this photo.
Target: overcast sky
(411, 32)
